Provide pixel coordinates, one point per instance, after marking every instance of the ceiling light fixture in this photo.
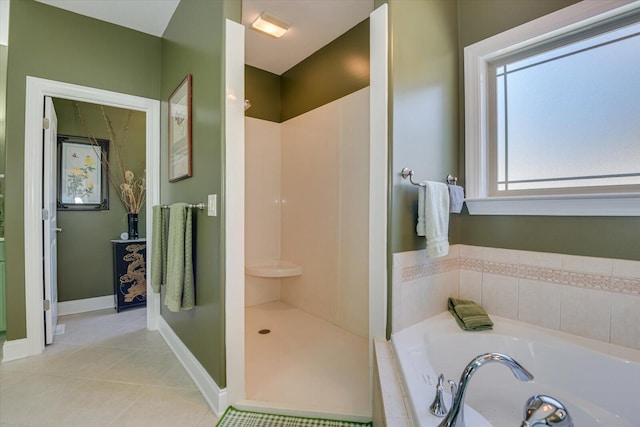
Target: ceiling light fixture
(270, 25)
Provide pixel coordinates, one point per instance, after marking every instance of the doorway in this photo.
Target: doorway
(91, 215)
(37, 90)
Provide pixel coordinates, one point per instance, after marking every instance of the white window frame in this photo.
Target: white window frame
(477, 59)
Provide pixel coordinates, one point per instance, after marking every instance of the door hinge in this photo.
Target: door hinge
(45, 214)
(45, 123)
(47, 305)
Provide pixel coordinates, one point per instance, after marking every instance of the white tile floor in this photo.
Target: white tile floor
(305, 361)
(107, 369)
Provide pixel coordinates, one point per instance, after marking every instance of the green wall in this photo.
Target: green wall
(610, 237)
(3, 102)
(480, 19)
(84, 263)
(52, 43)
(262, 89)
(332, 72)
(193, 43)
(423, 108)
(337, 69)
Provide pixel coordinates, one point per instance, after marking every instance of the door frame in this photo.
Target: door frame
(234, 206)
(37, 89)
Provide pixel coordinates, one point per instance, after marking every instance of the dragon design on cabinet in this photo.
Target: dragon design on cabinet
(133, 283)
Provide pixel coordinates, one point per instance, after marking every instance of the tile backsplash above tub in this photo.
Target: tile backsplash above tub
(597, 298)
(422, 285)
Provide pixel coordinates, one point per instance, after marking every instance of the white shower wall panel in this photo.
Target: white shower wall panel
(325, 182)
(353, 297)
(262, 205)
(310, 222)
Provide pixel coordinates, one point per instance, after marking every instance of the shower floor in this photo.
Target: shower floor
(304, 362)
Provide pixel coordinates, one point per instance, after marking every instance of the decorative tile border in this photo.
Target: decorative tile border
(500, 268)
(622, 285)
(471, 264)
(625, 285)
(423, 270)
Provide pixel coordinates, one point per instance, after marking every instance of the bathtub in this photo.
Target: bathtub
(599, 383)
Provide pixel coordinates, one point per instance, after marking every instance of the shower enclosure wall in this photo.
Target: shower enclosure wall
(307, 182)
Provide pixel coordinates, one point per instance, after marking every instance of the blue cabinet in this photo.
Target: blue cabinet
(129, 273)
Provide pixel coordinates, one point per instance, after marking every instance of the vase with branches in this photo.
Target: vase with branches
(129, 186)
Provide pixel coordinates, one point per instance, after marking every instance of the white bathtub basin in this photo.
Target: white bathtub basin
(598, 383)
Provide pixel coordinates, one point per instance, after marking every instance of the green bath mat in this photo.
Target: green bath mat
(236, 418)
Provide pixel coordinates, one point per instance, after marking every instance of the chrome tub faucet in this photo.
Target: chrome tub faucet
(455, 417)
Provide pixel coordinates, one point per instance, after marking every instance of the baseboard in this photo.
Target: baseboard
(84, 305)
(215, 397)
(15, 349)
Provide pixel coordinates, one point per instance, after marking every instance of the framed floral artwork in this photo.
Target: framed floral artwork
(82, 181)
(180, 131)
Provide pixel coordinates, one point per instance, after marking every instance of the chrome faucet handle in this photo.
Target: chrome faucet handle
(454, 390)
(438, 407)
(543, 410)
(454, 396)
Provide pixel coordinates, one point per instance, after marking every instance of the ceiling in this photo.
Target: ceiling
(314, 23)
(147, 16)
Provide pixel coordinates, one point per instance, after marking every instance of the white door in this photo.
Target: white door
(49, 223)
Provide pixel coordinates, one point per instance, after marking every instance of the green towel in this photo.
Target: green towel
(180, 293)
(469, 315)
(158, 249)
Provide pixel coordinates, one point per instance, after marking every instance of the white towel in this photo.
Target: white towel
(433, 217)
(456, 198)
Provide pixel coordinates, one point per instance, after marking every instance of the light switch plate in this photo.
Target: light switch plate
(212, 204)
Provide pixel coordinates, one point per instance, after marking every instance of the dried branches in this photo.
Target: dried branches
(131, 190)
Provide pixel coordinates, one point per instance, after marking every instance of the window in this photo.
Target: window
(553, 115)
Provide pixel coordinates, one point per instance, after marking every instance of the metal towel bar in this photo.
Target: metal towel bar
(200, 206)
(408, 173)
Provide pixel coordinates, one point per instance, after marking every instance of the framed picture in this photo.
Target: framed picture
(82, 181)
(180, 131)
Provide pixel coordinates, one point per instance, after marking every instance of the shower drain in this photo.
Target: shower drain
(264, 331)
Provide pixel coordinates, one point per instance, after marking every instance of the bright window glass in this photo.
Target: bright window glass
(569, 117)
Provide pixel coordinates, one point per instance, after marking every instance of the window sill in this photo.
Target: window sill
(564, 205)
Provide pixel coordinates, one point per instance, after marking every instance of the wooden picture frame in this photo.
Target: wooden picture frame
(180, 131)
(83, 182)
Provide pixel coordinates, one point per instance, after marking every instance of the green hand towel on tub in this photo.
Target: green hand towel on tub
(469, 315)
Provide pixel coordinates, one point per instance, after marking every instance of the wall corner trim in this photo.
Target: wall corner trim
(233, 202)
(215, 397)
(378, 163)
